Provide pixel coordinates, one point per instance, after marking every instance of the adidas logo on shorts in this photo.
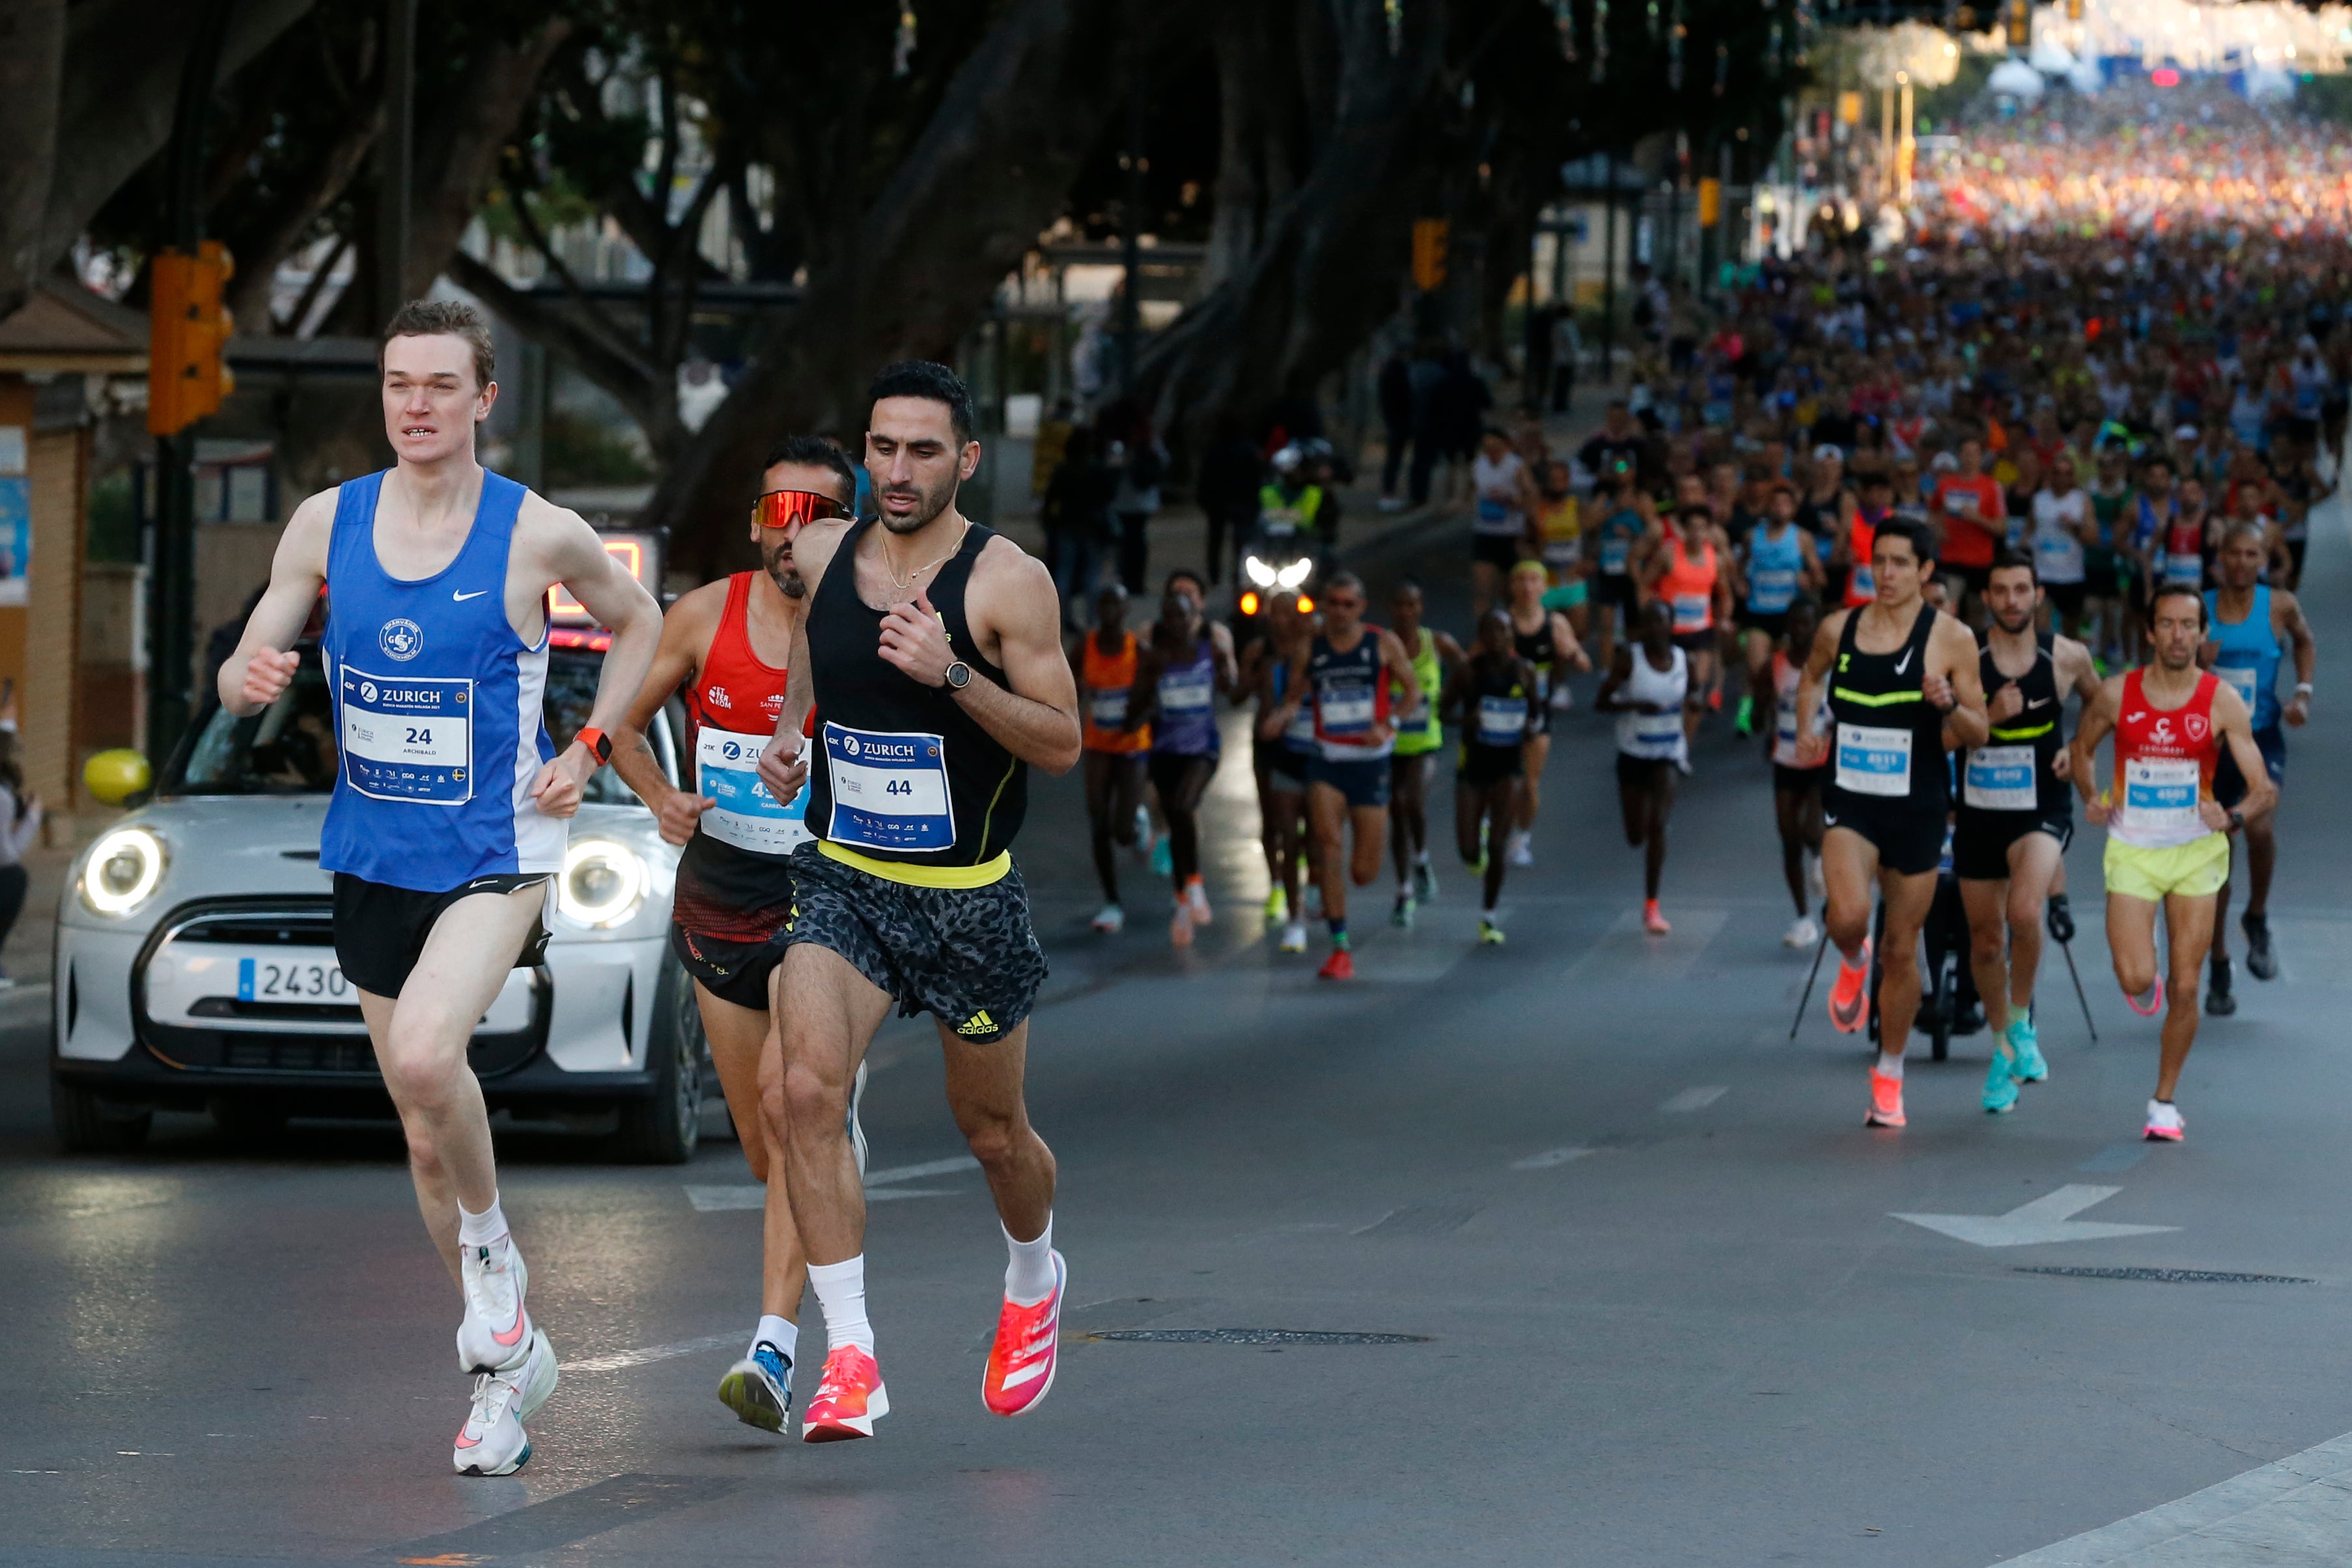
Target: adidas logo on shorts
(980, 1023)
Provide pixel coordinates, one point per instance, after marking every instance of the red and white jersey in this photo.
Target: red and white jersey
(2164, 766)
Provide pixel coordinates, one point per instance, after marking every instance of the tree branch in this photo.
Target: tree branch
(622, 374)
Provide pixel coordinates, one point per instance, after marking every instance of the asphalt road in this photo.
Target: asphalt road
(1658, 1308)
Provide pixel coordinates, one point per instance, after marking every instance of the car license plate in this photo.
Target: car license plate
(280, 979)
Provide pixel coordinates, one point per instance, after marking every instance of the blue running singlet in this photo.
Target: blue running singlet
(2249, 655)
(436, 708)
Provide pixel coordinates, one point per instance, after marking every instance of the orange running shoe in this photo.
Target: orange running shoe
(1340, 966)
(1021, 1363)
(1886, 1101)
(849, 1399)
(1849, 997)
(1652, 920)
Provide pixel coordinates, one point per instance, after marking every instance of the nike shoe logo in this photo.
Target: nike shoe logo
(477, 594)
(1903, 663)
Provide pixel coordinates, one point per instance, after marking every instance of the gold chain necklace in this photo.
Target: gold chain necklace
(909, 583)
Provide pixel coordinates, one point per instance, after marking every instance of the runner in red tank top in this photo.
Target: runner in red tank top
(723, 650)
(2168, 838)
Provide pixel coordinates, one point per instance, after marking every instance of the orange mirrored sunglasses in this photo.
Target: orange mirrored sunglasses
(790, 509)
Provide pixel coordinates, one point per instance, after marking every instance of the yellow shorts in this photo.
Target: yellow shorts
(2194, 870)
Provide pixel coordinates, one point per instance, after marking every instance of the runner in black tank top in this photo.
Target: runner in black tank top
(2016, 816)
(936, 677)
(1884, 805)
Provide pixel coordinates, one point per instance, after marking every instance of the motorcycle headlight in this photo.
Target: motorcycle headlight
(1294, 573)
(603, 883)
(1259, 571)
(122, 871)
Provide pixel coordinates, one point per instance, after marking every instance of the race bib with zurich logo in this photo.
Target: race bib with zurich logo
(407, 739)
(727, 769)
(889, 790)
(1873, 761)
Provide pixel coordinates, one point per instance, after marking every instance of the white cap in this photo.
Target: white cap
(2185, 433)
(1828, 453)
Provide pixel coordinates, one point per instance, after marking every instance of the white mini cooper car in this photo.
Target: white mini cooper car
(196, 959)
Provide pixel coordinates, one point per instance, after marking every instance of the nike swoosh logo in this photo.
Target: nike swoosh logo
(2039, 702)
(1903, 663)
(477, 594)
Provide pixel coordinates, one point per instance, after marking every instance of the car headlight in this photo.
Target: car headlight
(1259, 571)
(122, 871)
(1294, 573)
(602, 882)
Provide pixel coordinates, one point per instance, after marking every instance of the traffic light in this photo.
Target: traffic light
(1429, 239)
(188, 330)
(1710, 203)
(2019, 15)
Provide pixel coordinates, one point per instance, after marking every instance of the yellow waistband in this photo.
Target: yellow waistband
(979, 876)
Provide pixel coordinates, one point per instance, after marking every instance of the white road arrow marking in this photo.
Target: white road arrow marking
(2048, 1218)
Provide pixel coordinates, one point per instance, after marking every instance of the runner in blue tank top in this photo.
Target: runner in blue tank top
(1778, 561)
(1188, 663)
(447, 821)
(2249, 628)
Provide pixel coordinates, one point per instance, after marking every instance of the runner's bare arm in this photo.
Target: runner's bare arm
(1010, 600)
(1952, 675)
(2235, 724)
(1229, 677)
(1812, 572)
(1812, 745)
(562, 547)
(1399, 665)
(264, 662)
(686, 638)
(2075, 673)
(2287, 610)
(781, 767)
(1294, 683)
(1620, 670)
(1564, 643)
(2098, 719)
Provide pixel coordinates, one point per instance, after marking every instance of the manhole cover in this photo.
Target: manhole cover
(1254, 1337)
(2172, 1276)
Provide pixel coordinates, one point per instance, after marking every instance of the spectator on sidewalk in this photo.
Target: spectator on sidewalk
(1462, 399)
(20, 825)
(1428, 372)
(1076, 514)
(1567, 344)
(1396, 421)
(1227, 487)
(1141, 463)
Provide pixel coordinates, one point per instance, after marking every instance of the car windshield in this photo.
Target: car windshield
(288, 748)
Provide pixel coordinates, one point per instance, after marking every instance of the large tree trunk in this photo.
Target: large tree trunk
(989, 171)
(32, 68)
(1330, 261)
(460, 154)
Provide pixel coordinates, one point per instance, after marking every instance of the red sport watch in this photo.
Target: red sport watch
(599, 744)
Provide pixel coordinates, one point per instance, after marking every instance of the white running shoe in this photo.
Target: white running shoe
(2164, 1123)
(858, 1128)
(496, 1330)
(492, 1442)
(1111, 920)
(1311, 897)
(1179, 928)
(1802, 933)
(1294, 937)
(1817, 887)
(1196, 901)
(1516, 850)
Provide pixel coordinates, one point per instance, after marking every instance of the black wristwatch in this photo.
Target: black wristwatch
(958, 676)
(2237, 819)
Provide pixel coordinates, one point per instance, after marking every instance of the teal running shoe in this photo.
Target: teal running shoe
(2030, 1067)
(1163, 863)
(1999, 1087)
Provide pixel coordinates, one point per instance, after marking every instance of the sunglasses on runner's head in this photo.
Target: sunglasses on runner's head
(790, 509)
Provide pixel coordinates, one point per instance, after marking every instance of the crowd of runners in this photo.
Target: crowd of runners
(1922, 537)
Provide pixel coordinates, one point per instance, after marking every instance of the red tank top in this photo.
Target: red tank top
(2164, 765)
(735, 690)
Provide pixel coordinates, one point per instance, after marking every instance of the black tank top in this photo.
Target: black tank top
(898, 769)
(1879, 703)
(1994, 778)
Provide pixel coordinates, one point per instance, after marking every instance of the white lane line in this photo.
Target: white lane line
(621, 1359)
(752, 1195)
(2295, 1509)
(1628, 954)
(2050, 1217)
(1697, 1099)
(1550, 1157)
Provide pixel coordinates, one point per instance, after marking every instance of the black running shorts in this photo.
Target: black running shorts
(1909, 834)
(1980, 839)
(965, 955)
(381, 930)
(1787, 780)
(734, 972)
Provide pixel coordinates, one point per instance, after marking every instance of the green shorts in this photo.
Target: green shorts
(1567, 597)
(2194, 870)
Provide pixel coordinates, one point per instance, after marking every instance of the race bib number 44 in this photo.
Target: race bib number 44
(889, 790)
(1872, 760)
(727, 769)
(408, 738)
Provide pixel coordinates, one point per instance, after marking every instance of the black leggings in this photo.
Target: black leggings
(1114, 781)
(13, 882)
(1182, 780)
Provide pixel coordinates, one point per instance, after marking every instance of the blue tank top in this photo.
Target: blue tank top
(1187, 723)
(2250, 654)
(436, 708)
(1773, 569)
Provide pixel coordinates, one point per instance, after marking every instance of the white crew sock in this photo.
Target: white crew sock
(2146, 999)
(483, 1228)
(781, 1333)
(1890, 1065)
(841, 1292)
(1029, 1278)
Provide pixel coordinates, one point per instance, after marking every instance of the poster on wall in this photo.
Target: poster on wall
(15, 515)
